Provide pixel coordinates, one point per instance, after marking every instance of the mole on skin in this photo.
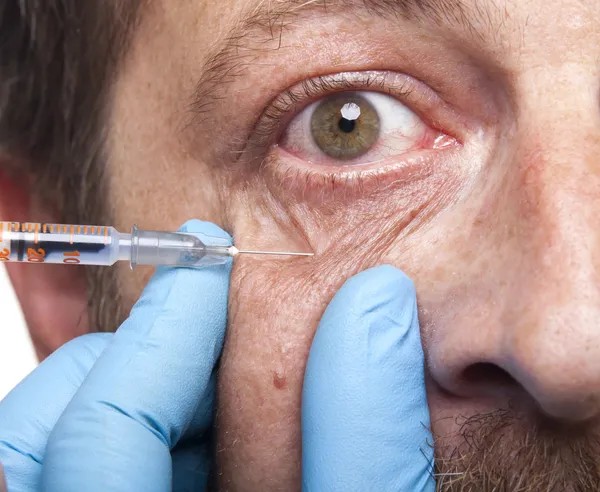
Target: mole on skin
(279, 380)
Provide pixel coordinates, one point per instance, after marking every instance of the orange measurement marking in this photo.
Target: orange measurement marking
(36, 238)
(64, 229)
(71, 258)
(1, 230)
(51, 228)
(78, 229)
(45, 228)
(36, 256)
(15, 227)
(105, 236)
(30, 227)
(100, 229)
(93, 230)
(85, 229)
(72, 232)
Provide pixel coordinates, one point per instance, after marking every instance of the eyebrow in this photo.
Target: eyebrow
(267, 22)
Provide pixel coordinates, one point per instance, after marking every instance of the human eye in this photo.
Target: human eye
(359, 128)
(354, 133)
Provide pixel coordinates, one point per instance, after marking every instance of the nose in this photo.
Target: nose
(529, 321)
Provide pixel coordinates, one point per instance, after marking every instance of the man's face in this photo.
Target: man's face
(473, 167)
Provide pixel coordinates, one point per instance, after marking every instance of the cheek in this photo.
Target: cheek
(275, 308)
(273, 316)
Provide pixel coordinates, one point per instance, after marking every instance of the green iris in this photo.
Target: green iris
(345, 126)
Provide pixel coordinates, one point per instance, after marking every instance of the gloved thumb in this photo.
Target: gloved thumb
(365, 420)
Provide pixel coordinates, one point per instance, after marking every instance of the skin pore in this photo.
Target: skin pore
(498, 227)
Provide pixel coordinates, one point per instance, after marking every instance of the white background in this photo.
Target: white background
(17, 357)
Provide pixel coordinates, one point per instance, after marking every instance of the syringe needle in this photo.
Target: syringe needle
(274, 253)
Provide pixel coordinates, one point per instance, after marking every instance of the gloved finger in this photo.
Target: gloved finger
(30, 411)
(146, 388)
(365, 418)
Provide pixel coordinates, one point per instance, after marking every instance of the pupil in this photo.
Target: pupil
(347, 126)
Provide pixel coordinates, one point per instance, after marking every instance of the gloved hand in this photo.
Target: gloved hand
(104, 412)
(365, 420)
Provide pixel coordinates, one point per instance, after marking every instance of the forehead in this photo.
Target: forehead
(499, 29)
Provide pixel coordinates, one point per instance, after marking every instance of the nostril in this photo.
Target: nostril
(488, 375)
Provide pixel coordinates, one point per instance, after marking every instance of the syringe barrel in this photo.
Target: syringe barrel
(69, 244)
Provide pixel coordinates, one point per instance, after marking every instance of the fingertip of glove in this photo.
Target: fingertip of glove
(207, 228)
(377, 304)
(158, 286)
(196, 226)
(378, 284)
(374, 313)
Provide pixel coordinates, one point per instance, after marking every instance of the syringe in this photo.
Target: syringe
(34, 242)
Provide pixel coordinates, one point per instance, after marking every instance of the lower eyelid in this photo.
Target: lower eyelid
(293, 175)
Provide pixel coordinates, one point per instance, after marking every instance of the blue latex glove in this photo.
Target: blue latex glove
(365, 418)
(104, 412)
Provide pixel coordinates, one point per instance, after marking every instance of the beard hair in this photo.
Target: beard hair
(504, 451)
